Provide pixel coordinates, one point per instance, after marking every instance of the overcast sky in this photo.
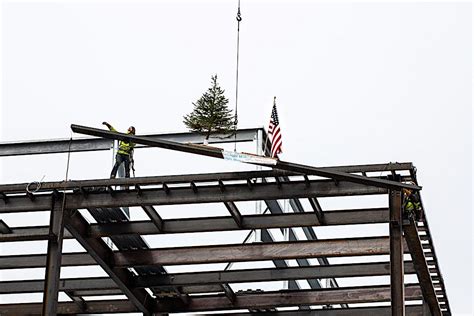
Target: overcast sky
(356, 83)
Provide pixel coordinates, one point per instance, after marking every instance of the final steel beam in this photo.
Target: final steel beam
(94, 144)
(217, 153)
(253, 252)
(185, 195)
(210, 224)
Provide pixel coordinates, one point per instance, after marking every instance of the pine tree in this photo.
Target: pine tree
(210, 113)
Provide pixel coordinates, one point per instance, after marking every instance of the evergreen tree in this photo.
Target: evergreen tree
(210, 113)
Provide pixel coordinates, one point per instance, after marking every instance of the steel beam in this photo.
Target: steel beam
(96, 144)
(102, 254)
(416, 251)
(123, 306)
(186, 178)
(217, 153)
(412, 310)
(396, 254)
(70, 308)
(281, 250)
(53, 257)
(203, 279)
(253, 252)
(268, 274)
(369, 294)
(39, 261)
(154, 216)
(209, 224)
(184, 195)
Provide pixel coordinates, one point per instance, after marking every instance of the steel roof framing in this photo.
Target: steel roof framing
(162, 293)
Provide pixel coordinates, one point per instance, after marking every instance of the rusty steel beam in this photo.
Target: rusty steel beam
(209, 224)
(184, 178)
(329, 248)
(363, 294)
(217, 153)
(205, 280)
(184, 195)
(123, 306)
(53, 256)
(412, 310)
(253, 252)
(416, 251)
(268, 274)
(102, 254)
(39, 261)
(396, 254)
(71, 308)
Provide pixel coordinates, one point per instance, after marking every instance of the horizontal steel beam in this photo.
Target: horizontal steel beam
(269, 274)
(39, 261)
(210, 224)
(218, 153)
(70, 308)
(141, 181)
(368, 294)
(203, 279)
(187, 178)
(185, 195)
(411, 310)
(254, 252)
(95, 144)
(221, 253)
(123, 306)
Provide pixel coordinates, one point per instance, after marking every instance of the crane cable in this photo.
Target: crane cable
(239, 19)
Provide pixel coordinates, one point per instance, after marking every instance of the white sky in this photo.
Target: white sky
(356, 83)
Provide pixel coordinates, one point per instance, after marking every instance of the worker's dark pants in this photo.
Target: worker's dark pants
(119, 159)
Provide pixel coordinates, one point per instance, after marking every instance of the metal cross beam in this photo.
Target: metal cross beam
(363, 294)
(217, 153)
(101, 284)
(185, 195)
(210, 224)
(253, 252)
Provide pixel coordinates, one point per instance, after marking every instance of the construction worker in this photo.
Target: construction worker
(411, 204)
(124, 153)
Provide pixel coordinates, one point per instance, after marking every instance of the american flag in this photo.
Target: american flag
(274, 131)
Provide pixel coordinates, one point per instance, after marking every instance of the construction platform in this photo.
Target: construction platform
(139, 273)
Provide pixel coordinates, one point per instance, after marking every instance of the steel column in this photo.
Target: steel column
(396, 254)
(53, 257)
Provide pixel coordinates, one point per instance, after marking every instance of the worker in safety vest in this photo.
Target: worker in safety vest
(124, 153)
(411, 204)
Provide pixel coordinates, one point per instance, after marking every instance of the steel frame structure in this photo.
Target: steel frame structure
(138, 272)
